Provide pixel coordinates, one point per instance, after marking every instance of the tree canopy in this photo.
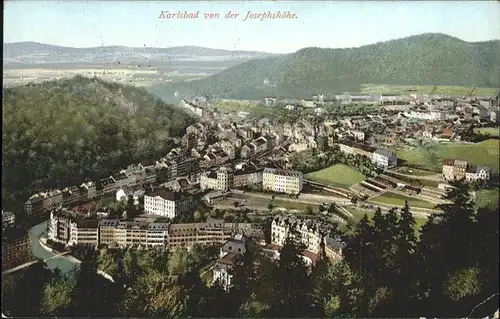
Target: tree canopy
(60, 133)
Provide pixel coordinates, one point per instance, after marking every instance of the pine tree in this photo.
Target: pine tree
(293, 285)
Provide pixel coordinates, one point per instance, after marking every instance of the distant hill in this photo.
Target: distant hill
(61, 132)
(39, 54)
(427, 59)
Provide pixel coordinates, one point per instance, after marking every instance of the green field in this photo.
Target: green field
(491, 131)
(484, 153)
(426, 89)
(338, 175)
(389, 198)
(413, 171)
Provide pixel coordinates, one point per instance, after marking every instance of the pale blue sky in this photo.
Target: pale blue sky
(322, 24)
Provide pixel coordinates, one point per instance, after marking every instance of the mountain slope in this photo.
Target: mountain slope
(39, 53)
(428, 59)
(62, 132)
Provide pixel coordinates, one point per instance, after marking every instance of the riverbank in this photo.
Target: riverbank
(40, 252)
(43, 240)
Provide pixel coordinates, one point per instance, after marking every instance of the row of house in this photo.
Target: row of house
(175, 164)
(226, 178)
(70, 228)
(381, 157)
(454, 169)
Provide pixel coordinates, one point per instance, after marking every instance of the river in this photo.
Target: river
(39, 252)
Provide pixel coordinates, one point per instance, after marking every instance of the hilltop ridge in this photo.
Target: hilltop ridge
(426, 59)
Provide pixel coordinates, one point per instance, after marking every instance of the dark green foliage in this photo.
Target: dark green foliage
(427, 59)
(386, 272)
(292, 294)
(21, 291)
(63, 132)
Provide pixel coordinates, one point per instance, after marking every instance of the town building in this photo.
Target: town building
(247, 177)
(282, 181)
(43, 202)
(16, 248)
(195, 110)
(89, 190)
(8, 219)
(349, 147)
(59, 224)
(208, 180)
(454, 169)
(213, 231)
(475, 173)
(384, 158)
(306, 231)
(167, 203)
(157, 235)
(214, 197)
(72, 195)
(333, 248)
(107, 229)
(225, 178)
(83, 231)
(230, 252)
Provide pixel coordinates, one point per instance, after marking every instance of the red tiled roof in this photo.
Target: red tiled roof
(312, 256)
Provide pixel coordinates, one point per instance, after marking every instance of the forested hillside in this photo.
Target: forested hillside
(428, 59)
(62, 132)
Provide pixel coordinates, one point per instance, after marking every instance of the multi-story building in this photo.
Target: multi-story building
(59, 224)
(196, 110)
(89, 189)
(83, 231)
(474, 173)
(225, 178)
(333, 248)
(107, 229)
(349, 147)
(131, 233)
(72, 195)
(189, 141)
(306, 231)
(16, 249)
(44, 201)
(212, 231)
(198, 129)
(166, 173)
(247, 177)
(167, 203)
(208, 180)
(384, 158)
(8, 219)
(157, 235)
(454, 169)
(282, 181)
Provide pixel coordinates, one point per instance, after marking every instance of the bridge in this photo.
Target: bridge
(33, 262)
